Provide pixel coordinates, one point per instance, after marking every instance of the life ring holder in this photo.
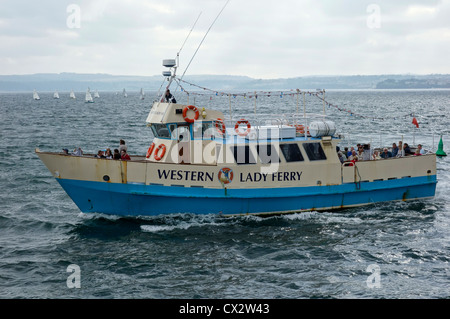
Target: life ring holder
(220, 126)
(193, 108)
(242, 121)
(150, 150)
(161, 147)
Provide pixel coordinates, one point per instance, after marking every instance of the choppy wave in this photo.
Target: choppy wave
(302, 255)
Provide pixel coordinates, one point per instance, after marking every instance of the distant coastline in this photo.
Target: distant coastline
(64, 82)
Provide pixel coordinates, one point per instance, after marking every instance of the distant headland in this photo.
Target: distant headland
(48, 82)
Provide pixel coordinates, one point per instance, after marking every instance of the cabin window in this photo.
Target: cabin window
(291, 152)
(314, 151)
(243, 155)
(267, 153)
(172, 130)
(160, 130)
(203, 130)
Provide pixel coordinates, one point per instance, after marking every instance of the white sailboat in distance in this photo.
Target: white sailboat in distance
(125, 93)
(142, 94)
(35, 95)
(72, 95)
(89, 98)
(96, 95)
(56, 95)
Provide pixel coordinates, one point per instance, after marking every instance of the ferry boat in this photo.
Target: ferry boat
(200, 163)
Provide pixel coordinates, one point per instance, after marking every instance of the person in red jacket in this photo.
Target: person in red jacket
(125, 156)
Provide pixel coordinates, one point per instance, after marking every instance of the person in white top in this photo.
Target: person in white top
(122, 146)
(422, 151)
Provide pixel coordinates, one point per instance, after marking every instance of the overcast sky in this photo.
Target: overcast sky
(257, 38)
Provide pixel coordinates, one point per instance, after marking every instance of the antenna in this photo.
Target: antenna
(204, 38)
(172, 64)
(189, 34)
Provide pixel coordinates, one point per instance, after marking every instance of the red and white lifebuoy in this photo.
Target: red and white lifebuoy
(193, 108)
(242, 121)
(220, 126)
(150, 150)
(161, 148)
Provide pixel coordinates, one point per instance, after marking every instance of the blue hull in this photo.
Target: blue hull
(144, 200)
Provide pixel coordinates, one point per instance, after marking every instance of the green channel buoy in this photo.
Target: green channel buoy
(440, 150)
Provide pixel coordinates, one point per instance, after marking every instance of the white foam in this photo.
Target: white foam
(183, 225)
(161, 228)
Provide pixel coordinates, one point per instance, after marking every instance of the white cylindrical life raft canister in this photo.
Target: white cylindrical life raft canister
(322, 128)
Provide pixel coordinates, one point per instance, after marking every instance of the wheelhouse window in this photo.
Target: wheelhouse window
(291, 152)
(243, 155)
(314, 151)
(160, 130)
(267, 153)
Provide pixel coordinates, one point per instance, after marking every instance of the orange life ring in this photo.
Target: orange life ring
(157, 156)
(193, 108)
(242, 121)
(150, 150)
(300, 129)
(220, 126)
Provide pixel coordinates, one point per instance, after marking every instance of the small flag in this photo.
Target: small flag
(414, 121)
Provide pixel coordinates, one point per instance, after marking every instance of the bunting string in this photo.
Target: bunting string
(318, 94)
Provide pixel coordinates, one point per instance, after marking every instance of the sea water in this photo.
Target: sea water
(48, 249)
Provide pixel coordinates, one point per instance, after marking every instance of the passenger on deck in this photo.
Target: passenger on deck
(401, 151)
(100, 154)
(77, 151)
(376, 155)
(366, 152)
(108, 153)
(386, 154)
(417, 152)
(116, 155)
(122, 146)
(349, 153)
(341, 157)
(65, 151)
(169, 97)
(125, 156)
(394, 150)
(354, 157)
(360, 153)
(407, 150)
(421, 150)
